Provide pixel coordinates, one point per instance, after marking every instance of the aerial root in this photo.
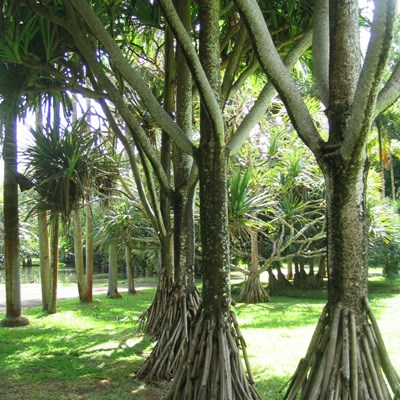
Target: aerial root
(173, 337)
(345, 362)
(149, 320)
(211, 367)
(252, 291)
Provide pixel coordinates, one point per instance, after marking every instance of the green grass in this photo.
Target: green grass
(92, 351)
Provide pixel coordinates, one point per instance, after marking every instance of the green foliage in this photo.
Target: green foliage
(64, 166)
(384, 229)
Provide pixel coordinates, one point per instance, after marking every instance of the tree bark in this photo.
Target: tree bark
(112, 292)
(78, 250)
(14, 315)
(129, 272)
(89, 252)
(44, 254)
(55, 221)
(183, 300)
(347, 234)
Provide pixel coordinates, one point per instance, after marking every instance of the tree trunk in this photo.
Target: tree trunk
(129, 272)
(289, 269)
(347, 235)
(380, 150)
(112, 292)
(210, 366)
(44, 254)
(14, 315)
(55, 221)
(252, 290)
(78, 250)
(183, 300)
(89, 252)
(149, 321)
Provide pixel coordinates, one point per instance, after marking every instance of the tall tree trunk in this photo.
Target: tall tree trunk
(55, 222)
(352, 358)
(44, 255)
(89, 252)
(211, 366)
(112, 292)
(78, 250)
(289, 269)
(129, 271)
(14, 315)
(150, 319)
(183, 300)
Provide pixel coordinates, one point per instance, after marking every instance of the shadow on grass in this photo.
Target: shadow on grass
(81, 343)
(282, 312)
(271, 388)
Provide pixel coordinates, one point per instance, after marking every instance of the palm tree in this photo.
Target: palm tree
(11, 83)
(63, 166)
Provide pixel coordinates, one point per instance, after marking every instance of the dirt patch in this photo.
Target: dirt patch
(51, 390)
(88, 390)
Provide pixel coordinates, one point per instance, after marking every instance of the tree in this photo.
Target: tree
(10, 105)
(350, 92)
(63, 165)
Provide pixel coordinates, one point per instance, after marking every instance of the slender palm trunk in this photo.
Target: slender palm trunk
(289, 269)
(89, 252)
(55, 222)
(113, 270)
(129, 271)
(44, 254)
(78, 249)
(14, 315)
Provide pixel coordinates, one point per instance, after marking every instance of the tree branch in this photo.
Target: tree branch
(274, 68)
(368, 84)
(132, 77)
(390, 92)
(115, 96)
(234, 59)
(132, 161)
(261, 105)
(207, 94)
(320, 47)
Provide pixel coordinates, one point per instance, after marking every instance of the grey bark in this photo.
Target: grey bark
(113, 269)
(44, 256)
(89, 252)
(12, 265)
(78, 250)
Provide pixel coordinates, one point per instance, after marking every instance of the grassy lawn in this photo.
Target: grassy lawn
(92, 351)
